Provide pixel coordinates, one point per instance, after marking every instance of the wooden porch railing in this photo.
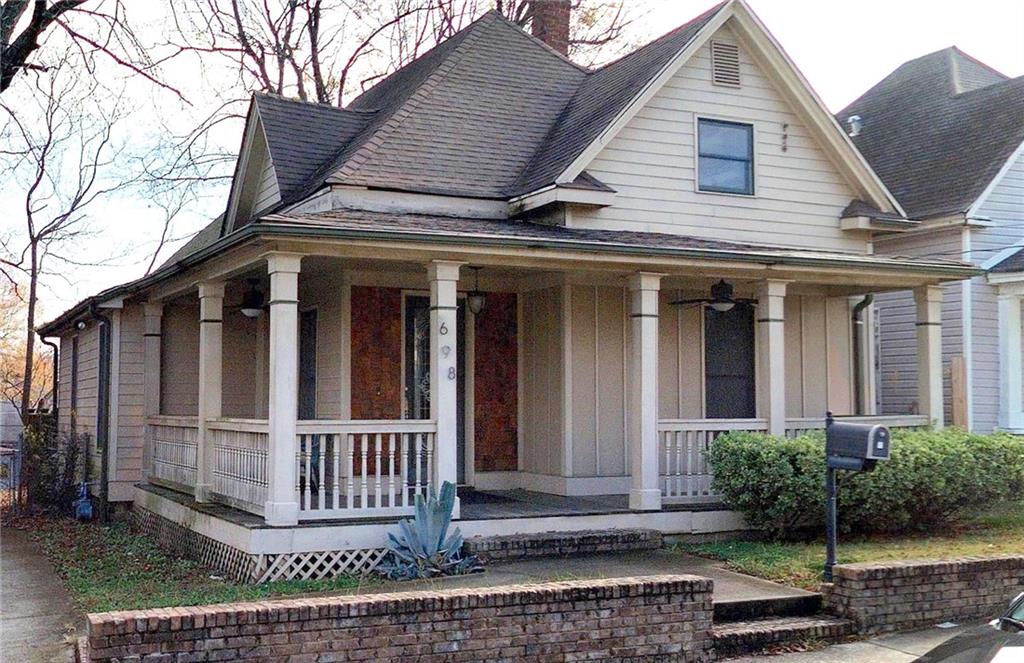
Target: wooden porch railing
(796, 427)
(173, 448)
(239, 462)
(351, 469)
(685, 475)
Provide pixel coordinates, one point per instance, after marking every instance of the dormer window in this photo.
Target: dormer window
(725, 155)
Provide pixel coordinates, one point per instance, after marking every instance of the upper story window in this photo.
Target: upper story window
(725, 153)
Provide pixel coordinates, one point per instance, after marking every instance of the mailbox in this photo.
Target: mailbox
(858, 441)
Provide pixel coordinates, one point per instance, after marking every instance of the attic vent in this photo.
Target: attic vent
(725, 64)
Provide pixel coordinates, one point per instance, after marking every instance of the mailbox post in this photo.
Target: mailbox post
(851, 447)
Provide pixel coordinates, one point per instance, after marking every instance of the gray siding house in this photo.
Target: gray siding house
(945, 134)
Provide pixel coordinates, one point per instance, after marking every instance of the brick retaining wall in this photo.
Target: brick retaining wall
(557, 544)
(904, 595)
(657, 618)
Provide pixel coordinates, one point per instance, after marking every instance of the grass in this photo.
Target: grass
(111, 568)
(999, 531)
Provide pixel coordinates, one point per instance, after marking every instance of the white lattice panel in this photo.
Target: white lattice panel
(317, 565)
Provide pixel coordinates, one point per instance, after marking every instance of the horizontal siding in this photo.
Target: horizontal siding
(131, 415)
(651, 164)
(897, 331)
(1005, 207)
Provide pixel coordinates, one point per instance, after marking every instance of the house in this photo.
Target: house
(550, 285)
(945, 133)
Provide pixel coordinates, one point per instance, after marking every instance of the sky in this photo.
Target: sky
(842, 47)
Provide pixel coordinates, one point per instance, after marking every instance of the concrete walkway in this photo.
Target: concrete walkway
(894, 648)
(728, 585)
(36, 613)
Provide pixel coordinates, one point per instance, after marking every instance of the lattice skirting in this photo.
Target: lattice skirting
(249, 567)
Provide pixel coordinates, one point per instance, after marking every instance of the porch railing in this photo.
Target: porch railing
(795, 427)
(350, 469)
(239, 462)
(173, 451)
(685, 475)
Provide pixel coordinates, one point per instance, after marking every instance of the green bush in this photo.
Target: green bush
(932, 480)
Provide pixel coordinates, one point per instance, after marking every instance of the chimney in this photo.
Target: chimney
(551, 23)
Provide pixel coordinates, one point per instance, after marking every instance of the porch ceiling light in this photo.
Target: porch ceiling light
(721, 299)
(252, 301)
(476, 300)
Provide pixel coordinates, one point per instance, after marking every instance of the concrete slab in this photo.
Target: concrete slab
(893, 648)
(36, 613)
(728, 584)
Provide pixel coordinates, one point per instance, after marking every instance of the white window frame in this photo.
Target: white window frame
(697, 117)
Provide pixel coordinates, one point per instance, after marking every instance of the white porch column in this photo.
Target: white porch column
(644, 493)
(282, 507)
(444, 349)
(153, 312)
(928, 299)
(211, 312)
(1011, 408)
(771, 362)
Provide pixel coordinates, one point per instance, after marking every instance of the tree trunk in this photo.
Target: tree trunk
(30, 335)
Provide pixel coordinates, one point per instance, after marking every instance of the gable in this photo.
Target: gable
(254, 187)
(651, 163)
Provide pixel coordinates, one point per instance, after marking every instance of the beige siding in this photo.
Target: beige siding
(240, 386)
(267, 193)
(179, 358)
(130, 402)
(542, 359)
(598, 333)
(651, 164)
(64, 382)
(324, 293)
(681, 358)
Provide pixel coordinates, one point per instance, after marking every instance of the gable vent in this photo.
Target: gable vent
(725, 64)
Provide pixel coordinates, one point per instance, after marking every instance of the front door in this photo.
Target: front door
(417, 369)
(729, 363)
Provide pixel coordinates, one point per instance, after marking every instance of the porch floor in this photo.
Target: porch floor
(474, 504)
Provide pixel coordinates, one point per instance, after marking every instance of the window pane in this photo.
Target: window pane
(720, 139)
(725, 175)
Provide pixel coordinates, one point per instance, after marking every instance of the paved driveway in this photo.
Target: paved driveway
(893, 648)
(35, 611)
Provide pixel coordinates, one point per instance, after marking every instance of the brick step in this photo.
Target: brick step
(736, 638)
(559, 544)
(800, 605)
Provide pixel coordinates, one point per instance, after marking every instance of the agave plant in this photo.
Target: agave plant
(423, 547)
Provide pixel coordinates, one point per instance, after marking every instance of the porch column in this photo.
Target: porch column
(153, 312)
(771, 362)
(282, 507)
(211, 311)
(444, 349)
(644, 493)
(928, 299)
(1011, 416)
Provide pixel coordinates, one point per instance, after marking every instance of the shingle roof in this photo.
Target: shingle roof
(938, 129)
(1012, 263)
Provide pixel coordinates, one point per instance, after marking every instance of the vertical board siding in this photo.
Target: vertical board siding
(897, 331)
(179, 358)
(651, 164)
(681, 358)
(495, 379)
(542, 381)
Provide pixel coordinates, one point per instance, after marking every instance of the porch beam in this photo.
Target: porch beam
(211, 350)
(928, 300)
(644, 493)
(771, 364)
(153, 324)
(282, 507)
(1011, 408)
(444, 349)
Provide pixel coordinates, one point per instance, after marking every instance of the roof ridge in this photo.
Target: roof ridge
(546, 46)
(307, 102)
(371, 143)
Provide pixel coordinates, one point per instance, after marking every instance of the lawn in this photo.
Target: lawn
(112, 568)
(999, 531)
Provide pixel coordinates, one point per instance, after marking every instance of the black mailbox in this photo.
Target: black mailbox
(857, 441)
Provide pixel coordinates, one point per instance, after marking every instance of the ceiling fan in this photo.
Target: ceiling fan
(721, 298)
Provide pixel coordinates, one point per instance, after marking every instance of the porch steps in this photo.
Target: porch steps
(561, 544)
(747, 626)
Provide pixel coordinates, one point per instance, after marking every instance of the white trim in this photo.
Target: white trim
(520, 387)
(1003, 279)
(757, 35)
(746, 122)
(1002, 255)
(561, 194)
(351, 197)
(972, 211)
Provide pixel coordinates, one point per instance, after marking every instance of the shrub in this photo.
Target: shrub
(51, 469)
(932, 480)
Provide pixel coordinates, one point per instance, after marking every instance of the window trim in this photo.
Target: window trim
(697, 118)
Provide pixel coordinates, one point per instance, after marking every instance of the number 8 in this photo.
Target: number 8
(451, 372)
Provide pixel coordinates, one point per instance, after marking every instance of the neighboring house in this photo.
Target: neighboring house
(945, 133)
(493, 268)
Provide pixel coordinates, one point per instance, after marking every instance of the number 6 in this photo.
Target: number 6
(443, 330)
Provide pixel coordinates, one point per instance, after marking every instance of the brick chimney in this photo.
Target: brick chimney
(551, 23)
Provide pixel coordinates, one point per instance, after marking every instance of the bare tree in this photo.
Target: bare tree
(61, 156)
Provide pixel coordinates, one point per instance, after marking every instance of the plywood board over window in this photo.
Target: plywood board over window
(376, 353)
(495, 379)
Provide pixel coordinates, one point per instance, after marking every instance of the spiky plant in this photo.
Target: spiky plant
(423, 548)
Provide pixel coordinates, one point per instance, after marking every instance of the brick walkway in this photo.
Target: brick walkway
(36, 613)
